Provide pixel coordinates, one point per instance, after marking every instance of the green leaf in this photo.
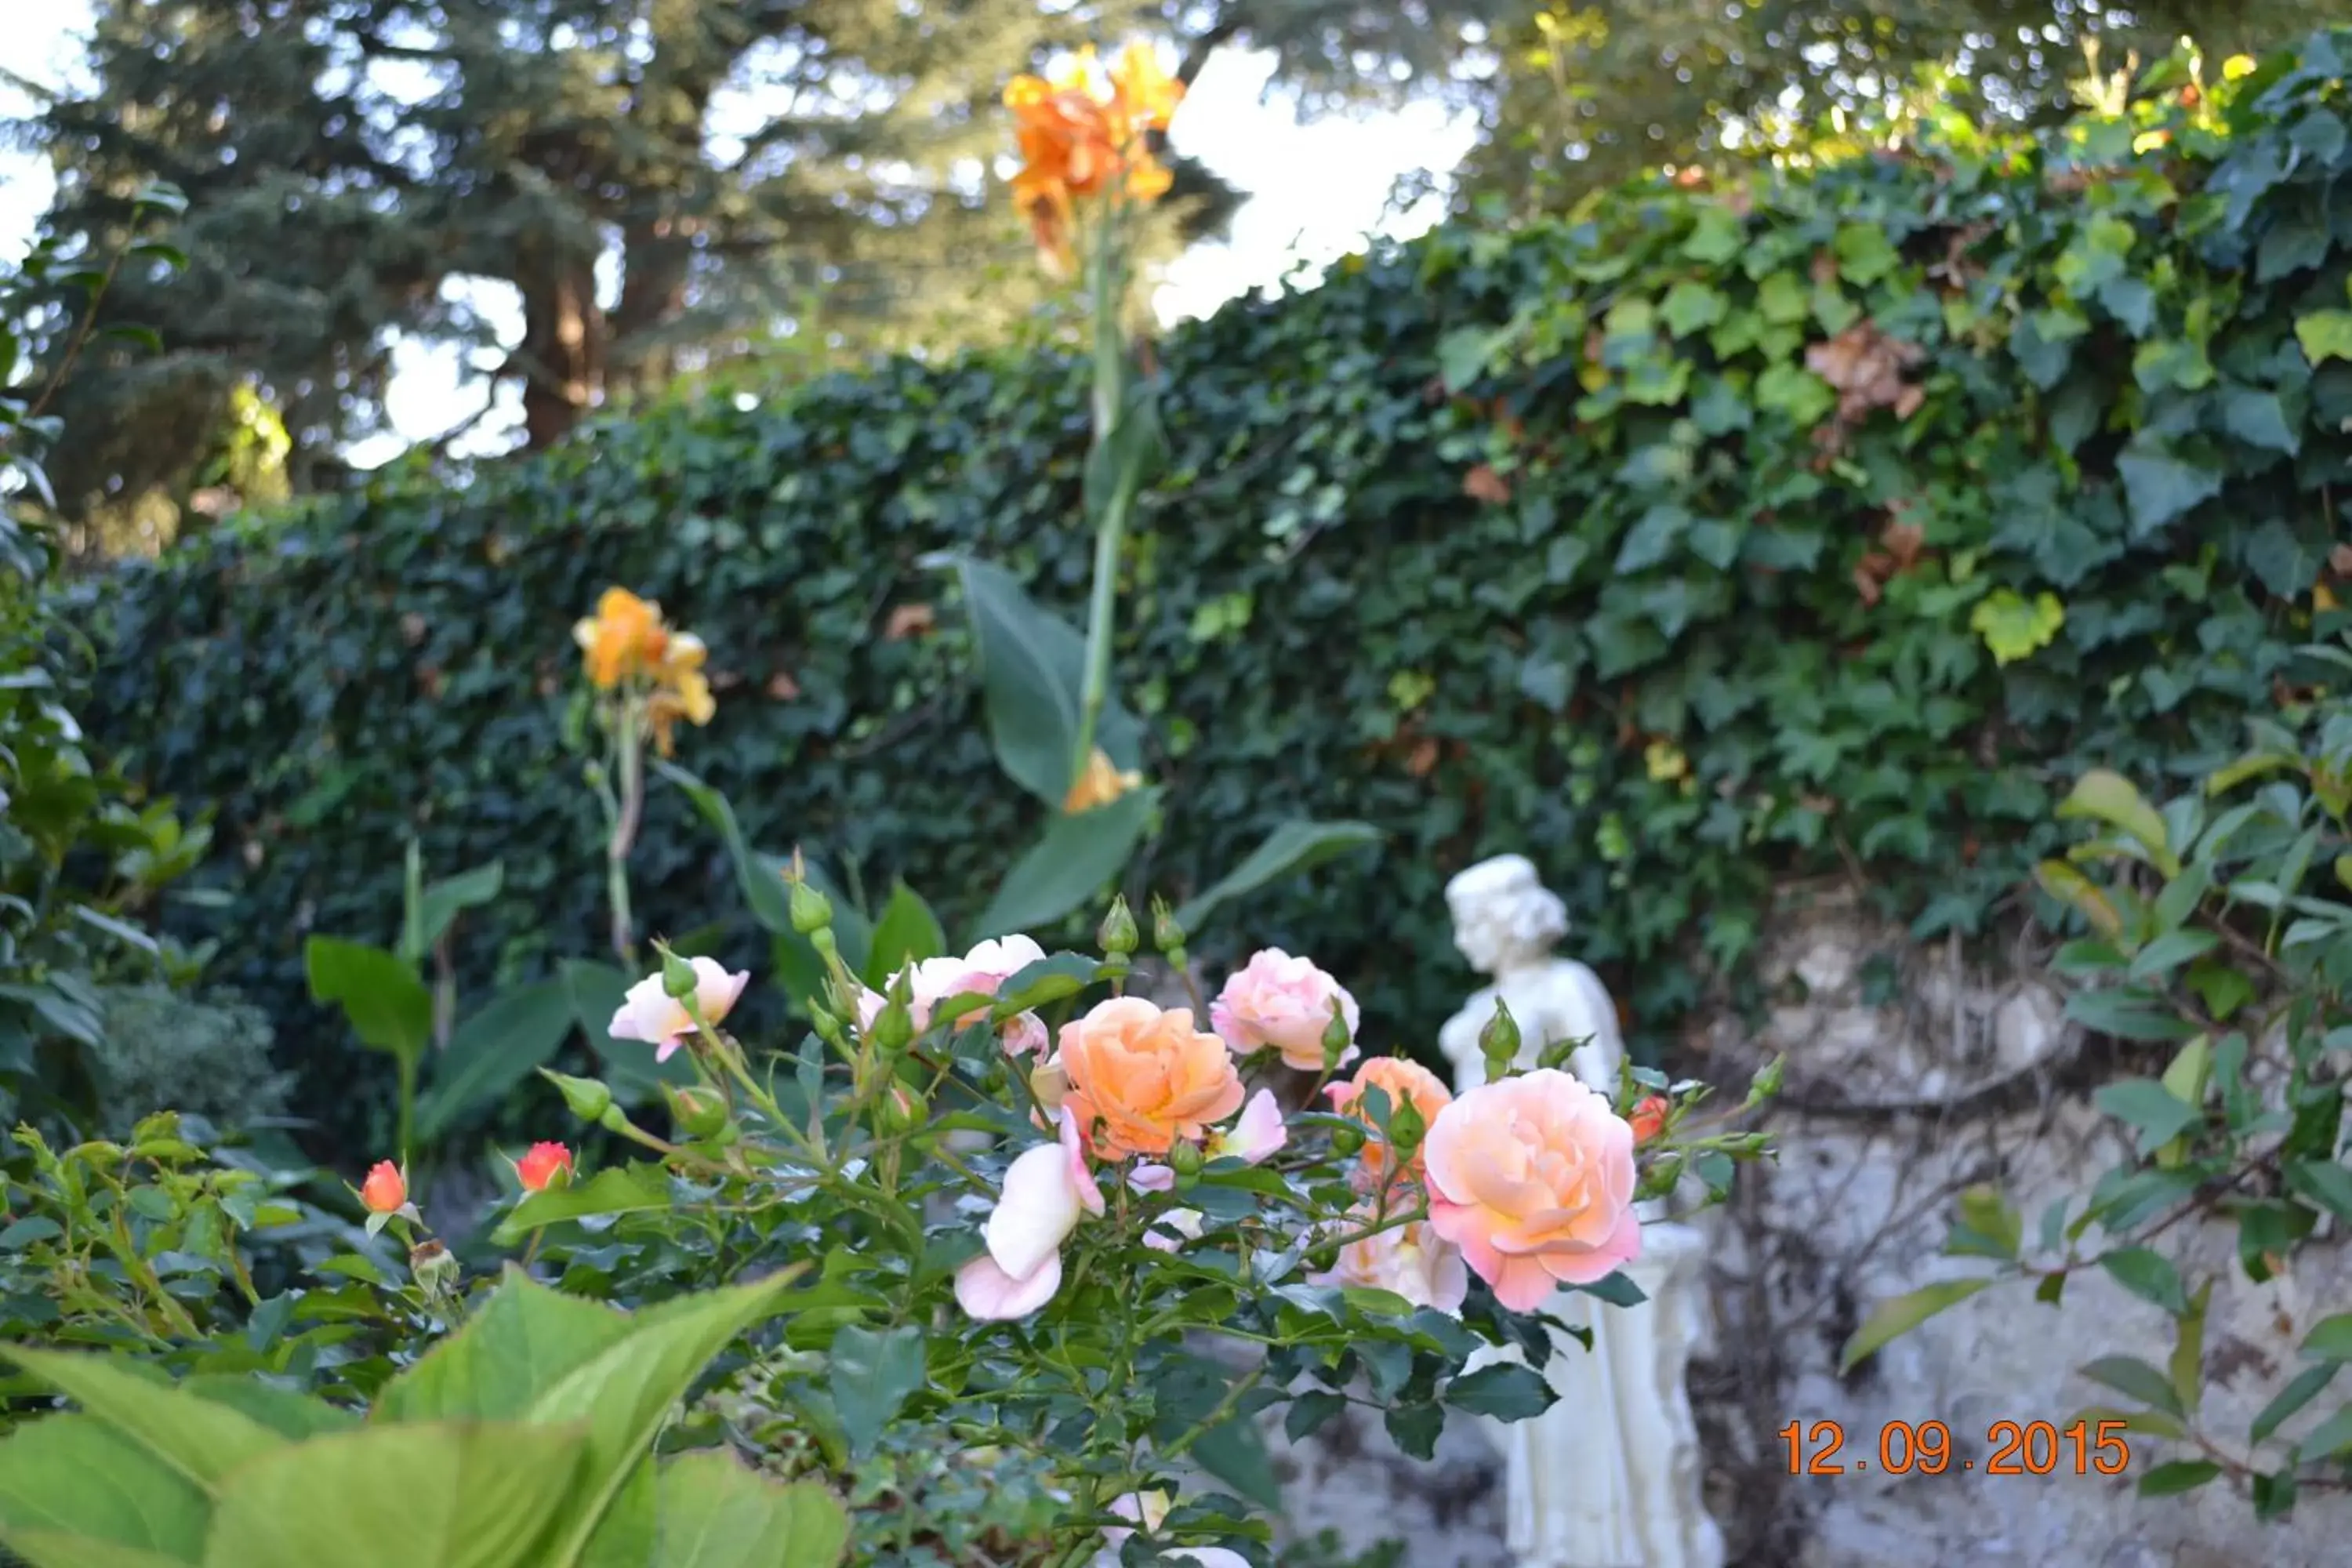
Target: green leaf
(2149, 1275)
(389, 1006)
(2325, 335)
(2257, 417)
(441, 902)
(1898, 1316)
(1989, 1226)
(1415, 1428)
(2325, 1183)
(716, 1514)
(763, 890)
(2128, 1015)
(615, 1190)
(1504, 1391)
(873, 1371)
(199, 1438)
(1077, 856)
(2109, 797)
(2170, 950)
(2305, 1388)
(1293, 847)
(491, 1052)
(1032, 673)
(1051, 978)
(2155, 1112)
(2330, 1338)
(2329, 1438)
(74, 1479)
(2013, 629)
(423, 1496)
(2127, 1374)
(906, 933)
(529, 1353)
(2159, 486)
(1690, 306)
(1796, 394)
(1124, 457)
(2177, 1476)
(282, 1411)
(1309, 1411)
(1863, 252)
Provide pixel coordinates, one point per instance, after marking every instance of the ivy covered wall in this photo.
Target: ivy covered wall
(1722, 533)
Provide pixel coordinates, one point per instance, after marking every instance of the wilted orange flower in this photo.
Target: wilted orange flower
(683, 691)
(624, 638)
(1099, 784)
(1083, 133)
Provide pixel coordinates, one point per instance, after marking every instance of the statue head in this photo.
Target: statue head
(1503, 916)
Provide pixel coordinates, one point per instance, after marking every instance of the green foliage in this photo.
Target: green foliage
(523, 1440)
(2216, 944)
(1684, 615)
(202, 1055)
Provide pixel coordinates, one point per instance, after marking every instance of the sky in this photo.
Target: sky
(1316, 191)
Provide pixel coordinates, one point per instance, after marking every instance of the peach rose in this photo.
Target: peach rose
(649, 1012)
(1410, 1260)
(1141, 1078)
(1532, 1177)
(1404, 1082)
(1283, 1001)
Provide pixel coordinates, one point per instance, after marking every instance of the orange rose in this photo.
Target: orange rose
(1140, 1078)
(1404, 1082)
(1649, 1118)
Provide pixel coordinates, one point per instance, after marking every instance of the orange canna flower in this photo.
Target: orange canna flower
(1083, 133)
(385, 1191)
(683, 691)
(1099, 784)
(546, 1165)
(623, 638)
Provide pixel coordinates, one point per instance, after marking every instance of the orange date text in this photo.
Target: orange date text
(1924, 1448)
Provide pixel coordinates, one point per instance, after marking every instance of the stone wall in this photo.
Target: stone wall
(1911, 1076)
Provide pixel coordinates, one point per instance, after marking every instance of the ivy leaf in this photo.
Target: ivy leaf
(2325, 335)
(1690, 306)
(2013, 629)
(2159, 487)
(2258, 418)
(1795, 394)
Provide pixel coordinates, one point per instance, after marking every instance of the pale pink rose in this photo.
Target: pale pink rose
(1532, 1177)
(651, 1014)
(1174, 1229)
(1410, 1260)
(1045, 1191)
(1150, 1509)
(982, 971)
(1283, 1001)
(1254, 1138)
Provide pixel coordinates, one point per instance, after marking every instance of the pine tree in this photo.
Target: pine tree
(661, 182)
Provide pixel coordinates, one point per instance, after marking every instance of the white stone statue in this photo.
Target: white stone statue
(1608, 1477)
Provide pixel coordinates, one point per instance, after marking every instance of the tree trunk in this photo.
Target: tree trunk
(564, 346)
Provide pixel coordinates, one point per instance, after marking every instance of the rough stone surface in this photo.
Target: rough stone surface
(1909, 1079)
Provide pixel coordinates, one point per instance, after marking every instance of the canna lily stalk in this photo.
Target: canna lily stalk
(1088, 170)
(647, 677)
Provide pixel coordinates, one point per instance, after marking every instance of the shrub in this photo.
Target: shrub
(205, 1057)
(1719, 532)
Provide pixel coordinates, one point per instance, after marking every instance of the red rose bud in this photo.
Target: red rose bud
(385, 1191)
(547, 1165)
(1649, 1118)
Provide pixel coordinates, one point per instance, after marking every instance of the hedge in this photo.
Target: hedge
(1719, 533)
